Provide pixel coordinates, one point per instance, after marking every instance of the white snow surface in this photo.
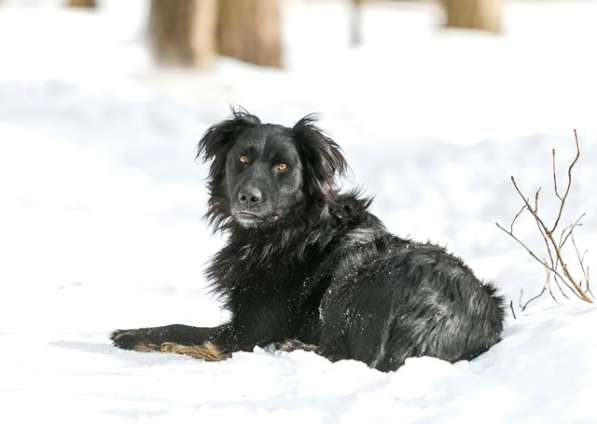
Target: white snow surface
(101, 203)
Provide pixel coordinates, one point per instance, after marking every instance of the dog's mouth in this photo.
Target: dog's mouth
(250, 219)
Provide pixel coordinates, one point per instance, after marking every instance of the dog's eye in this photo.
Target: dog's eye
(281, 167)
(244, 159)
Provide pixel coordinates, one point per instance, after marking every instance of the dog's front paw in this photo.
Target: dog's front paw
(207, 351)
(137, 339)
(290, 345)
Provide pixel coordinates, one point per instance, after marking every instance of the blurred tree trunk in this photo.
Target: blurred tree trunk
(182, 32)
(477, 14)
(249, 30)
(356, 23)
(82, 3)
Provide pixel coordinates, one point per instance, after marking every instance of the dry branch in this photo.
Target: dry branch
(554, 246)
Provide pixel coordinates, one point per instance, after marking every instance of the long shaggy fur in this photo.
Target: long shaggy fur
(326, 275)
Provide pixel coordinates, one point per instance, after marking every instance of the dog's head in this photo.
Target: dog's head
(260, 172)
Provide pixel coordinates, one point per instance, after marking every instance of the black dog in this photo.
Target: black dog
(308, 267)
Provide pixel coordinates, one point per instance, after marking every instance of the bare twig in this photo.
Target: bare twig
(530, 252)
(536, 199)
(554, 259)
(548, 285)
(554, 173)
(563, 198)
(569, 229)
(557, 280)
(524, 306)
(516, 217)
(581, 260)
(549, 233)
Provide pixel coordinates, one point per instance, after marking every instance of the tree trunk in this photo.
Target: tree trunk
(182, 32)
(249, 30)
(356, 23)
(476, 14)
(82, 3)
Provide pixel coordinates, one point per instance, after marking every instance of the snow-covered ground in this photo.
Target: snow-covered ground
(101, 203)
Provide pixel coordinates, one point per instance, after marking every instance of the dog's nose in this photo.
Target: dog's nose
(250, 196)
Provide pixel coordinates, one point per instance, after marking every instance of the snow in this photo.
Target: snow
(101, 200)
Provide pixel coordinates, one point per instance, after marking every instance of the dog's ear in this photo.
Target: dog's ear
(214, 146)
(321, 156)
(218, 139)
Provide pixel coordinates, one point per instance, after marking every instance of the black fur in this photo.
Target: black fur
(308, 267)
